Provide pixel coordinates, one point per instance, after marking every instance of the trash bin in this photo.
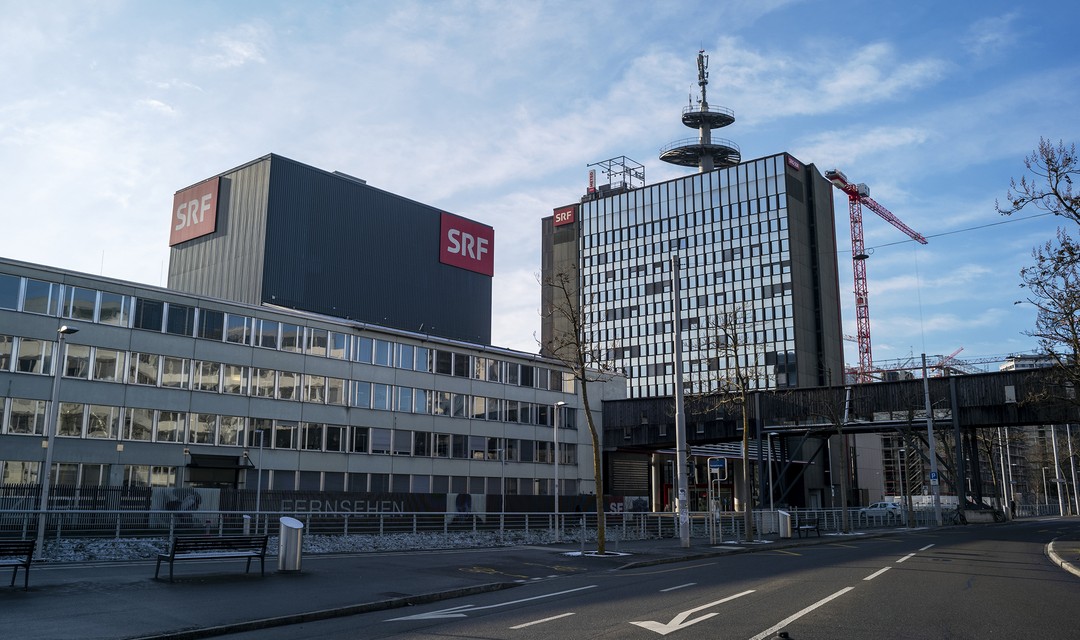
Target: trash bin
(785, 524)
(290, 543)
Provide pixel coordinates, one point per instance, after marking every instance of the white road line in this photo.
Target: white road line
(681, 586)
(926, 547)
(910, 555)
(876, 573)
(792, 618)
(529, 624)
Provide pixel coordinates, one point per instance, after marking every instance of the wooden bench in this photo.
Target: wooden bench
(215, 548)
(806, 524)
(15, 554)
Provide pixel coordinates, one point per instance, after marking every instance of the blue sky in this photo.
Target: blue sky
(492, 110)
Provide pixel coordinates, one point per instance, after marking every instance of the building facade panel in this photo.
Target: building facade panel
(236, 381)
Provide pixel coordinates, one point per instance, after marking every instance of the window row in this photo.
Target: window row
(93, 421)
(90, 305)
(16, 472)
(110, 365)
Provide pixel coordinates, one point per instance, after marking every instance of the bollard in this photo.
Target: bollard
(247, 525)
(290, 543)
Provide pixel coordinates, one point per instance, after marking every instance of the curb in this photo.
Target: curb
(1059, 561)
(326, 614)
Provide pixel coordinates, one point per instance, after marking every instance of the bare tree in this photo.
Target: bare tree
(569, 343)
(1051, 188)
(1053, 288)
(729, 371)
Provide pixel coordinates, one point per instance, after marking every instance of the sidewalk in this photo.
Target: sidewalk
(115, 600)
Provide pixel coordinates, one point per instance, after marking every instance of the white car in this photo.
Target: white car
(880, 510)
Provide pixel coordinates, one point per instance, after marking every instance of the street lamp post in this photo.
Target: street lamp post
(50, 433)
(558, 410)
(900, 472)
(258, 483)
(770, 463)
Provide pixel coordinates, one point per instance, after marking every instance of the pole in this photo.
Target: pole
(1058, 480)
(258, 483)
(1012, 481)
(50, 435)
(558, 410)
(930, 440)
(900, 471)
(1072, 467)
(1046, 495)
(1002, 448)
(772, 492)
(680, 412)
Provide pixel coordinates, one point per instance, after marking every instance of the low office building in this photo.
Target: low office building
(166, 389)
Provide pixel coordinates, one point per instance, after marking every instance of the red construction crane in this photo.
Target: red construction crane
(859, 195)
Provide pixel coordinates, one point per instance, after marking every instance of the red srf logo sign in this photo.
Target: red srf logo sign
(467, 244)
(194, 212)
(565, 215)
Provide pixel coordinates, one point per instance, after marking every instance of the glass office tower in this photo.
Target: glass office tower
(758, 281)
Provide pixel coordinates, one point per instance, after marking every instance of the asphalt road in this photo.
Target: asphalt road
(966, 582)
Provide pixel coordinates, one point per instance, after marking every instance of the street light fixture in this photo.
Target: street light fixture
(558, 410)
(50, 433)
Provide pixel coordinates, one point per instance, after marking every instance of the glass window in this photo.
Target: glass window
(421, 443)
(312, 437)
(149, 314)
(479, 408)
(259, 432)
(405, 356)
(238, 329)
(113, 309)
(284, 435)
(292, 338)
(421, 401)
(383, 351)
(314, 388)
(103, 422)
(27, 417)
(359, 441)
(171, 426)
(9, 291)
(440, 445)
(459, 402)
(338, 344)
(335, 391)
(231, 431)
(6, 345)
(234, 379)
(361, 394)
(79, 304)
(174, 372)
(77, 362)
(335, 437)
(144, 369)
(316, 342)
(459, 446)
(35, 356)
(211, 324)
(180, 320)
(444, 362)
(527, 376)
(207, 376)
(402, 445)
(70, 420)
(494, 370)
(405, 399)
(382, 397)
(442, 403)
(108, 365)
(268, 334)
(42, 297)
(262, 383)
(462, 365)
(288, 386)
(423, 360)
(380, 441)
(363, 349)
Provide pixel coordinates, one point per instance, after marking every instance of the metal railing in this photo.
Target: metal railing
(490, 528)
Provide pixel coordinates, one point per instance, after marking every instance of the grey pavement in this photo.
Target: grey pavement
(120, 600)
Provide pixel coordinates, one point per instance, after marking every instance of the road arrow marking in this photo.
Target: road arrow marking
(462, 611)
(680, 621)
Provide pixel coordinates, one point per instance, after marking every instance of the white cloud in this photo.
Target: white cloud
(993, 35)
(235, 47)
